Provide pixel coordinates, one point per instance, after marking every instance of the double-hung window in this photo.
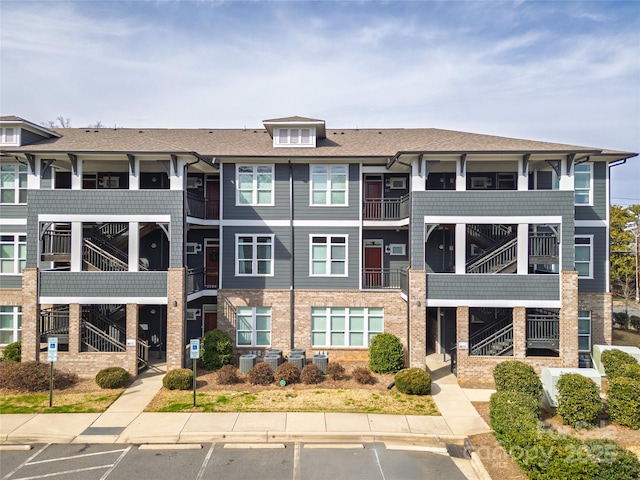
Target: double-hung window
(584, 331)
(345, 327)
(9, 136)
(329, 185)
(582, 182)
(13, 183)
(13, 253)
(254, 255)
(10, 324)
(328, 255)
(253, 326)
(254, 185)
(295, 136)
(584, 256)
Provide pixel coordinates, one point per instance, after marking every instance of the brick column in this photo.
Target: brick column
(519, 315)
(132, 334)
(569, 318)
(75, 317)
(462, 335)
(30, 315)
(176, 304)
(417, 318)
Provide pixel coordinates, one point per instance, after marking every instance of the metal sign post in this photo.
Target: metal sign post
(194, 353)
(52, 356)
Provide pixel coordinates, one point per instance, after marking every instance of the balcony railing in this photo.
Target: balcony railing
(386, 208)
(382, 278)
(201, 279)
(543, 331)
(56, 245)
(199, 207)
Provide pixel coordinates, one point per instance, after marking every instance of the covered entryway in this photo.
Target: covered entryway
(211, 263)
(373, 263)
(373, 198)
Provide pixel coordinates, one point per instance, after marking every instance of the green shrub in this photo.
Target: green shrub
(386, 354)
(516, 376)
(311, 375)
(178, 379)
(217, 349)
(260, 374)
(13, 351)
(112, 377)
(335, 371)
(579, 402)
(621, 318)
(634, 320)
(623, 399)
(33, 377)
(614, 361)
(227, 375)
(614, 462)
(504, 407)
(414, 381)
(631, 370)
(363, 376)
(289, 372)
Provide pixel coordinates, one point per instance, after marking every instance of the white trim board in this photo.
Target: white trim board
(103, 218)
(92, 300)
(431, 302)
(467, 219)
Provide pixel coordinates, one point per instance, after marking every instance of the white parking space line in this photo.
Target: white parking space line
(375, 451)
(205, 462)
(66, 472)
(8, 475)
(76, 456)
(296, 461)
(115, 464)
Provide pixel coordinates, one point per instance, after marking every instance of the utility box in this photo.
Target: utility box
(598, 349)
(550, 377)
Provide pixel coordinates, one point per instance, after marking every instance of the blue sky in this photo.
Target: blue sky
(557, 71)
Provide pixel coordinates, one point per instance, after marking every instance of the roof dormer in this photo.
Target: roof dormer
(16, 131)
(299, 132)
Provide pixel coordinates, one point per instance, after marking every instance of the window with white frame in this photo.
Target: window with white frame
(294, 137)
(13, 183)
(584, 256)
(13, 253)
(345, 327)
(254, 185)
(582, 183)
(397, 249)
(10, 324)
(254, 255)
(584, 331)
(9, 136)
(253, 326)
(328, 255)
(329, 185)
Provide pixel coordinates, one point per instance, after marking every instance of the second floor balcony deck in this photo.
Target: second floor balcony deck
(386, 208)
(200, 207)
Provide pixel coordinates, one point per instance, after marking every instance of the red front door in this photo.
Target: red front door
(211, 266)
(373, 199)
(210, 321)
(213, 198)
(373, 266)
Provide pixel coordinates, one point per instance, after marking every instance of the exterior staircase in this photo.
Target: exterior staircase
(499, 249)
(494, 339)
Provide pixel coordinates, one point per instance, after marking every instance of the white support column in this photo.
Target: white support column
(134, 178)
(33, 179)
(134, 246)
(461, 243)
(175, 178)
(566, 180)
(76, 180)
(417, 175)
(461, 175)
(523, 248)
(76, 246)
(523, 175)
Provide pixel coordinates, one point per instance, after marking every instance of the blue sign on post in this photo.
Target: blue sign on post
(194, 350)
(52, 351)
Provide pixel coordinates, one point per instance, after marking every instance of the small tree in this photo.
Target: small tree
(217, 349)
(386, 354)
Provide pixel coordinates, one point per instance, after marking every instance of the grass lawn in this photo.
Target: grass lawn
(62, 402)
(630, 337)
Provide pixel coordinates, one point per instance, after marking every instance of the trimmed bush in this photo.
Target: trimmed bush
(634, 320)
(217, 349)
(178, 379)
(13, 352)
(260, 374)
(289, 372)
(112, 377)
(33, 377)
(614, 462)
(335, 371)
(516, 376)
(614, 361)
(414, 381)
(227, 375)
(631, 371)
(386, 354)
(579, 402)
(621, 318)
(623, 399)
(363, 376)
(311, 374)
(504, 407)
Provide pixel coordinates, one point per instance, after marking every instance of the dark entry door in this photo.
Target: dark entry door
(210, 321)
(373, 199)
(373, 265)
(211, 266)
(213, 198)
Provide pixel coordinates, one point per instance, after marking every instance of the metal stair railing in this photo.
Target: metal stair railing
(491, 232)
(102, 260)
(54, 321)
(105, 243)
(107, 326)
(99, 340)
(502, 338)
(110, 230)
(543, 331)
(489, 330)
(544, 247)
(56, 242)
(496, 260)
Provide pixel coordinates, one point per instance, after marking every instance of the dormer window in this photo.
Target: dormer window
(295, 137)
(9, 136)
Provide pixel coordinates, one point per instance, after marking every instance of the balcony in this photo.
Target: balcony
(201, 279)
(386, 208)
(199, 207)
(383, 279)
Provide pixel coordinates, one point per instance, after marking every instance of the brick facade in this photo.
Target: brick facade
(176, 337)
(418, 318)
(601, 307)
(30, 315)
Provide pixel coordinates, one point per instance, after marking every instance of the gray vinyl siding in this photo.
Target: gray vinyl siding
(103, 284)
(10, 281)
(13, 229)
(27, 137)
(492, 287)
(600, 259)
(281, 258)
(388, 237)
(495, 204)
(597, 211)
(196, 260)
(302, 257)
(107, 202)
(280, 209)
(14, 211)
(302, 196)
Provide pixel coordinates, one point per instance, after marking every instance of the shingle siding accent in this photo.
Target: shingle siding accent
(492, 287)
(103, 284)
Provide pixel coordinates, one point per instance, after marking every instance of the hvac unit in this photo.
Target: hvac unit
(550, 377)
(598, 349)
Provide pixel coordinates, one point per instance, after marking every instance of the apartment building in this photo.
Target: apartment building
(126, 243)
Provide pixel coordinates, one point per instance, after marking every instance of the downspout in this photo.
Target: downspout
(292, 300)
